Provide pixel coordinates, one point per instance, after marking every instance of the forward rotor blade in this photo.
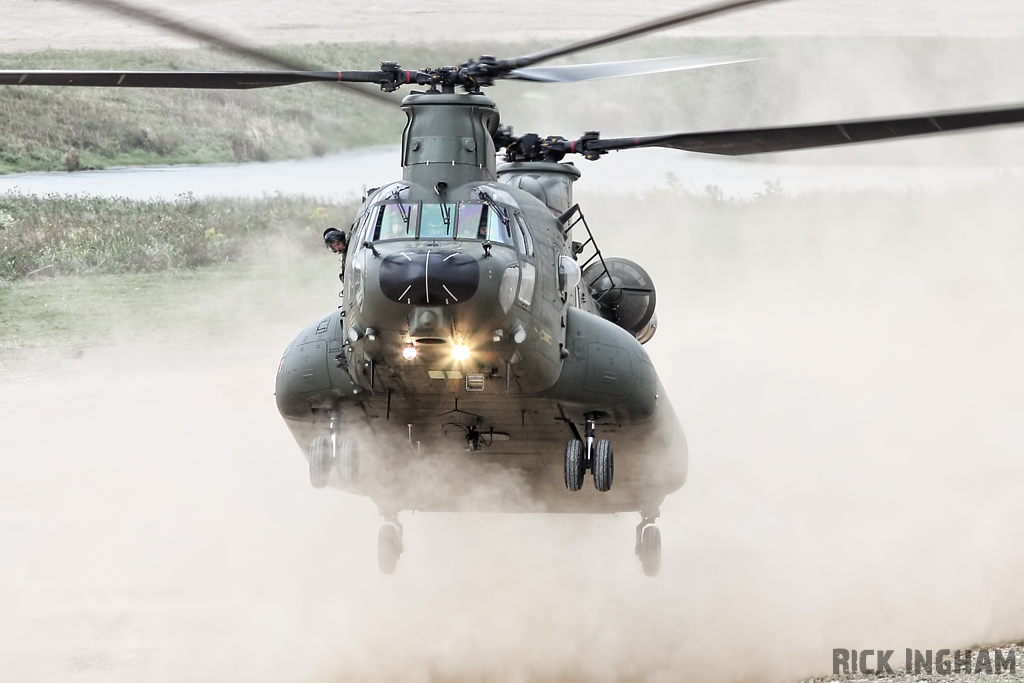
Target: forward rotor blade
(785, 138)
(632, 32)
(217, 39)
(639, 67)
(228, 80)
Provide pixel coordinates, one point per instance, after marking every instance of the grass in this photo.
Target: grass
(86, 272)
(44, 128)
(65, 315)
(59, 236)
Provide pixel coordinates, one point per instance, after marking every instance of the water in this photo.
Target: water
(344, 176)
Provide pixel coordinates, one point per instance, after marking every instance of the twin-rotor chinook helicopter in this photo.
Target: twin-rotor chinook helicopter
(488, 355)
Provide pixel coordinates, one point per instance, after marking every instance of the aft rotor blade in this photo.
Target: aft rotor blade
(639, 67)
(785, 138)
(217, 39)
(632, 32)
(228, 80)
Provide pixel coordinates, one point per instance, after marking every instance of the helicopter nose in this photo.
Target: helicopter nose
(434, 277)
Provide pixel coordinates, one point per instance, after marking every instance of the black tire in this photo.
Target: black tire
(603, 465)
(575, 465)
(346, 461)
(650, 550)
(389, 548)
(320, 461)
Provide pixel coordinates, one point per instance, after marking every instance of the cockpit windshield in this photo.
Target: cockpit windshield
(483, 222)
(436, 220)
(465, 221)
(396, 222)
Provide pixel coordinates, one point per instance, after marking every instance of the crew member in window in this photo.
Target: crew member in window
(336, 240)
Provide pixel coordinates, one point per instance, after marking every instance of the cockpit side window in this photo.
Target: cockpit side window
(525, 241)
(396, 222)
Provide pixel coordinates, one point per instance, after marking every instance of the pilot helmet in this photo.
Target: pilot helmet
(332, 236)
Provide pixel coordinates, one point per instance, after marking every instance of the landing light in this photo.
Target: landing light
(409, 352)
(460, 352)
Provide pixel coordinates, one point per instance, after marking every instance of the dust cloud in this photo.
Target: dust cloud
(847, 368)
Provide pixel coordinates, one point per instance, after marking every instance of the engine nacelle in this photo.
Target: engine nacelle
(624, 294)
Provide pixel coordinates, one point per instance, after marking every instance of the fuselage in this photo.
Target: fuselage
(468, 350)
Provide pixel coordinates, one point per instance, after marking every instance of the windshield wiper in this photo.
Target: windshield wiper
(497, 208)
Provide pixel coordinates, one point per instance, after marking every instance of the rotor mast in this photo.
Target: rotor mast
(449, 138)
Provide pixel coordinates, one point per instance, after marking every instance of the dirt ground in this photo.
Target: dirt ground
(852, 399)
(57, 24)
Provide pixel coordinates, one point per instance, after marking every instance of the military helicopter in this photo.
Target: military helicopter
(488, 355)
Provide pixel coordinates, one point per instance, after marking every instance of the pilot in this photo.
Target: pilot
(336, 240)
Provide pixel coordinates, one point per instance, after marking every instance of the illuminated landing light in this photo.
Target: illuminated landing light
(460, 352)
(409, 352)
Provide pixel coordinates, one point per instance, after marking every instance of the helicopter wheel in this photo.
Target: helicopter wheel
(389, 548)
(603, 465)
(320, 457)
(575, 465)
(649, 550)
(347, 460)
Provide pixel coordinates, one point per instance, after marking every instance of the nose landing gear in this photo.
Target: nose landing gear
(320, 461)
(603, 465)
(596, 456)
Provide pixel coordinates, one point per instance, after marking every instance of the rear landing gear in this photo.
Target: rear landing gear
(648, 543)
(336, 452)
(389, 545)
(320, 461)
(346, 460)
(597, 456)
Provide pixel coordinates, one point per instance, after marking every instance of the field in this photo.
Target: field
(840, 361)
(798, 79)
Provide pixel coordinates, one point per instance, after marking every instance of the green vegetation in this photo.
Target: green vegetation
(242, 300)
(44, 128)
(81, 273)
(59, 236)
(85, 272)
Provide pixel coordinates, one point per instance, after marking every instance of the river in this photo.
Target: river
(347, 175)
